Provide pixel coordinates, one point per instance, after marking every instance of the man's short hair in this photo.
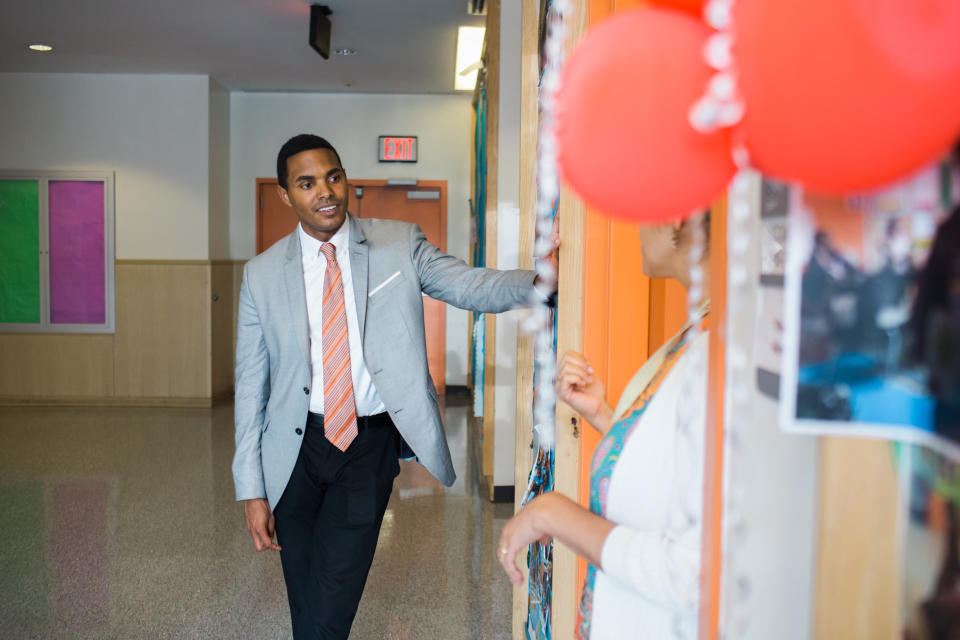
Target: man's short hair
(298, 144)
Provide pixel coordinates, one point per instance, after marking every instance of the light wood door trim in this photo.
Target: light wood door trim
(529, 121)
(570, 309)
(492, 47)
(858, 573)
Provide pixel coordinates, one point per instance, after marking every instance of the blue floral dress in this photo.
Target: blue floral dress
(605, 459)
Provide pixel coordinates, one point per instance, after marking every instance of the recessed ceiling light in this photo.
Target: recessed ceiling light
(40, 47)
(346, 52)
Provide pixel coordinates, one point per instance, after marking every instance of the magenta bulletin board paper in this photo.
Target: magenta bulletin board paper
(77, 265)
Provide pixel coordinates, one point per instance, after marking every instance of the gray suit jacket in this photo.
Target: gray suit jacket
(391, 263)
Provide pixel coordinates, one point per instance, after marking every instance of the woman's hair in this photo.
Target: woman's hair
(933, 281)
(942, 267)
(705, 221)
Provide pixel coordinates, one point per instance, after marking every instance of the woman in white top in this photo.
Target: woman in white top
(641, 534)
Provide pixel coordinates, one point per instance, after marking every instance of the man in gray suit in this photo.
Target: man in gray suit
(332, 381)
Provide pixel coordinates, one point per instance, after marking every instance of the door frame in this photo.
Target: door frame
(440, 185)
(427, 184)
(258, 211)
(421, 184)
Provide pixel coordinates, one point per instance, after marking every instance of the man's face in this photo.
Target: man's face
(317, 191)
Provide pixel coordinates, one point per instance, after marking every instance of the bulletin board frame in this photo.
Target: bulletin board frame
(45, 324)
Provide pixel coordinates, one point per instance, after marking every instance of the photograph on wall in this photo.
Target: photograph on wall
(774, 206)
(872, 315)
(931, 547)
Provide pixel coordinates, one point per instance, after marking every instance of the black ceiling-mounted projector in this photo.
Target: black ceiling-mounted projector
(320, 29)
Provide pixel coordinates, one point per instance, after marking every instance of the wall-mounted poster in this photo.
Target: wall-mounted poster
(774, 206)
(872, 315)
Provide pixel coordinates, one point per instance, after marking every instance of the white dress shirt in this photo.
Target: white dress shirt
(314, 267)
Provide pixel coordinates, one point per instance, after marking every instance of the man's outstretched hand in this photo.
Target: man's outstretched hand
(552, 258)
(260, 523)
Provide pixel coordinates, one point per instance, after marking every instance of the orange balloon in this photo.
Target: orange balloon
(625, 144)
(848, 95)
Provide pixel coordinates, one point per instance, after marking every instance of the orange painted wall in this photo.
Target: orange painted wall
(626, 316)
(711, 540)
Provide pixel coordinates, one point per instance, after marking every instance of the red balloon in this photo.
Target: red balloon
(690, 6)
(848, 95)
(625, 144)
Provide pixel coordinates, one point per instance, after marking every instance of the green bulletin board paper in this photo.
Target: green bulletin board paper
(19, 251)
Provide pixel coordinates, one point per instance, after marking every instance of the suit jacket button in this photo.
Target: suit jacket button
(306, 390)
(299, 431)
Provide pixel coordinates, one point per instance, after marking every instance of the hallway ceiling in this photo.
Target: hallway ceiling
(402, 46)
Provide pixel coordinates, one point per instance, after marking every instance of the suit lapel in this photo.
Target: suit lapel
(359, 269)
(296, 293)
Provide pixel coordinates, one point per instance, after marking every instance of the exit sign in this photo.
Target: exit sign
(397, 149)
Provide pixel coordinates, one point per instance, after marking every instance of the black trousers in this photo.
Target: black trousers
(328, 521)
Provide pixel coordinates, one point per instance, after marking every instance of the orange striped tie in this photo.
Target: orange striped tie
(339, 409)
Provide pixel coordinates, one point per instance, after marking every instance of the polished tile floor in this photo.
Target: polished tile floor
(120, 523)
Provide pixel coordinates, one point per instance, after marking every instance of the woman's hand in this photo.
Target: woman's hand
(521, 530)
(581, 389)
(552, 515)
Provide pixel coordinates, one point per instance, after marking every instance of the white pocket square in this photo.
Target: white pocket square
(383, 284)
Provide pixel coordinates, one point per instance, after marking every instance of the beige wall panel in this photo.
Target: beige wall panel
(222, 309)
(48, 365)
(858, 573)
(162, 344)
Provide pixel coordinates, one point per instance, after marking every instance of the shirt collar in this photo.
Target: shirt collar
(311, 246)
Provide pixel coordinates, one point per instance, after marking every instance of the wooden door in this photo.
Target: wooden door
(274, 218)
(423, 202)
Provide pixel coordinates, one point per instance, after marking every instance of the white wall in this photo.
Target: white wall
(261, 122)
(149, 129)
(219, 163)
(508, 232)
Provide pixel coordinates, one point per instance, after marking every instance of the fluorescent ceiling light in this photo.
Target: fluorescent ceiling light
(40, 47)
(469, 50)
